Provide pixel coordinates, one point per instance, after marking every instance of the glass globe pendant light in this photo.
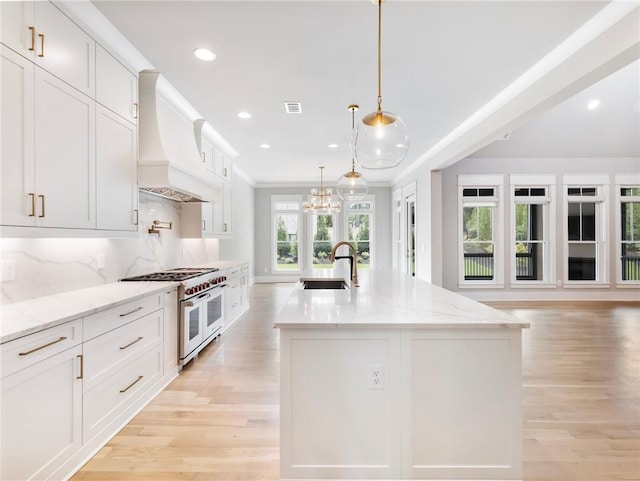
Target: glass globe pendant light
(381, 140)
(352, 186)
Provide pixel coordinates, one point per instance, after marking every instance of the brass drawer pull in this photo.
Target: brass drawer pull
(41, 205)
(81, 376)
(41, 54)
(33, 204)
(33, 39)
(204, 225)
(132, 343)
(225, 227)
(131, 312)
(132, 384)
(63, 338)
(135, 110)
(137, 216)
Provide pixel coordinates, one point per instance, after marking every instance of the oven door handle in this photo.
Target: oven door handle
(204, 296)
(188, 304)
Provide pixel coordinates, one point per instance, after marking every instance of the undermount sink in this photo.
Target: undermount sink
(324, 284)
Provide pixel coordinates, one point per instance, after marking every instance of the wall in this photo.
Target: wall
(48, 266)
(241, 246)
(263, 234)
(546, 166)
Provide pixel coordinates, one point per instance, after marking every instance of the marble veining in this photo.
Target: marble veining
(46, 266)
(387, 299)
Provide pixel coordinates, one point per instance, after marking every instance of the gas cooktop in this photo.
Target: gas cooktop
(172, 275)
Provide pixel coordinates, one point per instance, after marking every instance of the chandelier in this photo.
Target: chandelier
(381, 140)
(321, 201)
(352, 186)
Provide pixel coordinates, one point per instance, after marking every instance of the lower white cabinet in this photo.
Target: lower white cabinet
(41, 403)
(236, 294)
(66, 390)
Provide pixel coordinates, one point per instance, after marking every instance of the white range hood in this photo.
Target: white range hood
(169, 163)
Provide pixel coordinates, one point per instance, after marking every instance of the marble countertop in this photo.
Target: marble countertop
(386, 299)
(26, 317)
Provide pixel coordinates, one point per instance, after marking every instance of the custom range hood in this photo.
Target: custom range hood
(169, 163)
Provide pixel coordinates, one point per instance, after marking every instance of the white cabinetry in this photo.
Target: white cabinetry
(116, 165)
(227, 211)
(170, 332)
(48, 155)
(116, 87)
(41, 402)
(236, 294)
(43, 34)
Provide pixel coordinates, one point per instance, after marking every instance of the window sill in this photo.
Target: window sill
(585, 285)
(533, 285)
(628, 285)
(481, 285)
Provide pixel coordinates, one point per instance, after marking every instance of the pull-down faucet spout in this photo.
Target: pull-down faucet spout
(354, 263)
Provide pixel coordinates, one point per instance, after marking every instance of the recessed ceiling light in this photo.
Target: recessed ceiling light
(333, 146)
(594, 104)
(244, 115)
(265, 146)
(204, 54)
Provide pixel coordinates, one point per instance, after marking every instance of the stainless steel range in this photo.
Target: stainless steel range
(201, 302)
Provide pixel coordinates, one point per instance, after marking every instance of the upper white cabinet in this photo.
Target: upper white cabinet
(227, 211)
(42, 33)
(208, 152)
(116, 87)
(48, 152)
(116, 170)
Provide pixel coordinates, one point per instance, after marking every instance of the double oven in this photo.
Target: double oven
(201, 306)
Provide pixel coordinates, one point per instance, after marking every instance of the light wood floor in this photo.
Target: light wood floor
(219, 419)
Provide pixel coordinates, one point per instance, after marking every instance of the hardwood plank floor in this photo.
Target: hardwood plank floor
(219, 419)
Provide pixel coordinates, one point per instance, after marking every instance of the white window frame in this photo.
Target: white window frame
(372, 223)
(548, 225)
(277, 199)
(621, 181)
(336, 229)
(483, 181)
(601, 183)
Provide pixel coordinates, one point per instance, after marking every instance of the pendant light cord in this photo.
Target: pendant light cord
(379, 55)
(353, 126)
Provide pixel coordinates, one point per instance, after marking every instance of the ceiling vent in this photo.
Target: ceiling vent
(293, 107)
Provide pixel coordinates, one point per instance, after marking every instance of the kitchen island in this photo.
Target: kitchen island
(397, 379)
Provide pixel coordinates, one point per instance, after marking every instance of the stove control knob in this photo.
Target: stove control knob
(206, 284)
(188, 291)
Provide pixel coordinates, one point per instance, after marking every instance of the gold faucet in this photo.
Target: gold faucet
(354, 262)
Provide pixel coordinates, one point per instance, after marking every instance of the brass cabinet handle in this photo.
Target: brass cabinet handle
(135, 110)
(131, 343)
(132, 384)
(41, 35)
(33, 39)
(137, 216)
(62, 338)
(224, 171)
(204, 157)
(33, 204)
(224, 227)
(81, 357)
(131, 312)
(41, 205)
(204, 224)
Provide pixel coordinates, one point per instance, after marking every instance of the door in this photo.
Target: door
(410, 223)
(64, 154)
(116, 172)
(17, 201)
(191, 326)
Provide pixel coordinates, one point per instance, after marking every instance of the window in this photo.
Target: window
(286, 233)
(323, 236)
(359, 216)
(585, 231)
(480, 229)
(630, 233)
(532, 230)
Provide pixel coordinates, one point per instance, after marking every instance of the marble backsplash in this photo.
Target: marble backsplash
(46, 266)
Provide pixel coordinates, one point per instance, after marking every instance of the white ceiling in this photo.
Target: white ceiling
(442, 61)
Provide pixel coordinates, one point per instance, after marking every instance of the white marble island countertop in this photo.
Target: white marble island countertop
(22, 318)
(386, 299)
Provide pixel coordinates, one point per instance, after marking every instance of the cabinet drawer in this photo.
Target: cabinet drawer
(233, 286)
(103, 403)
(105, 321)
(233, 307)
(107, 354)
(234, 272)
(26, 351)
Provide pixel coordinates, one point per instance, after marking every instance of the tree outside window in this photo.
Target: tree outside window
(478, 243)
(630, 235)
(323, 240)
(359, 234)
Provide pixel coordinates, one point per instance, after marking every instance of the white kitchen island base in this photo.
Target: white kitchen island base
(399, 399)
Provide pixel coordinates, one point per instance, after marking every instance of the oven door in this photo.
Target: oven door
(214, 316)
(191, 335)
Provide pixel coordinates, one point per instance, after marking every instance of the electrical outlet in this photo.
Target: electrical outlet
(101, 261)
(8, 271)
(376, 376)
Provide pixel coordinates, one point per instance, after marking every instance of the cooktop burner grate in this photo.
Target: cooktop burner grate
(172, 275)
